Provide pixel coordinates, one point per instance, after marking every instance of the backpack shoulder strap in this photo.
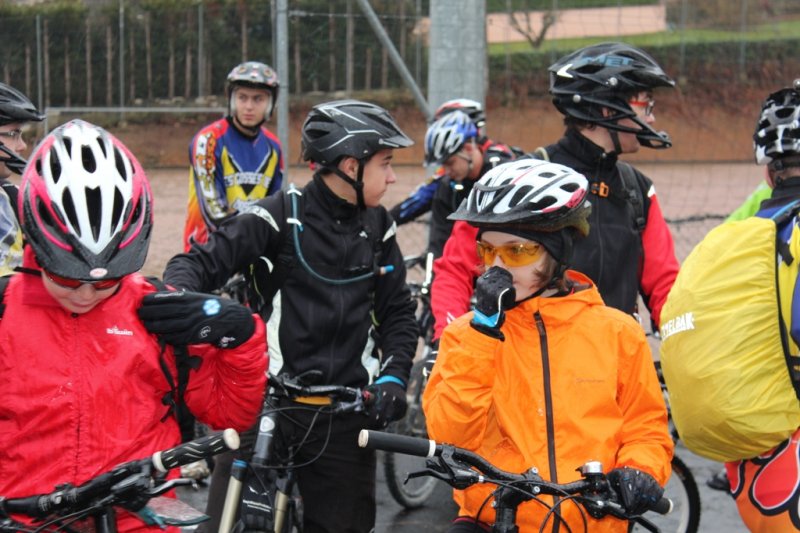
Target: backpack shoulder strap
(184, 363)
(540, 153)
(634, 195)
(4, 281)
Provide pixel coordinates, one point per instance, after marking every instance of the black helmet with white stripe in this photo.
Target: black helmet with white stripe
(349, 128)
(593, 85)
(531, 193)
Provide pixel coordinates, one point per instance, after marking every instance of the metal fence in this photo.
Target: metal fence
(142, 52)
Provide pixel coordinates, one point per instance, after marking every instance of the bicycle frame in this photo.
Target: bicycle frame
(281, 387)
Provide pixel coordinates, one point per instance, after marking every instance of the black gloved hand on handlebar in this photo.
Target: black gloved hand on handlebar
(388, 402)
(494, 293)
(638, 490)
(184, 317)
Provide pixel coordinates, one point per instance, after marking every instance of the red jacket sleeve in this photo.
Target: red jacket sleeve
(227, 389)
(454, 273)
(659, 266)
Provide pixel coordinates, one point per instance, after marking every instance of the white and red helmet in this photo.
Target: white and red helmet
(85, 204)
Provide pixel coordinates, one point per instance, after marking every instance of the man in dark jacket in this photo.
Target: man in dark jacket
(605, 93)
(335, 299)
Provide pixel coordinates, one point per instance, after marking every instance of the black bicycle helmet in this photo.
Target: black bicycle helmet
(604, 76)
(778, 129)
(539, 195)
(254, 75)
(16, 107)
(349, 128)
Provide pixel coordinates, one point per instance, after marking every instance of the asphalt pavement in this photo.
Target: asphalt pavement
(718, 509)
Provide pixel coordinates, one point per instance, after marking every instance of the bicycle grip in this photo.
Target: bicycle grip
(195, 450)
(390, 442)
(662, 506)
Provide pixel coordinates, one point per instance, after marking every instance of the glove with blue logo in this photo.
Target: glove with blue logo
(494, 293)
(183, 317)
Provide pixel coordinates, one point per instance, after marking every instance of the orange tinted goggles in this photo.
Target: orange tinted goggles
(72, 284)
(513, 255)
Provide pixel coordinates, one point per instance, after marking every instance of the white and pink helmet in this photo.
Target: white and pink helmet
(85, 204)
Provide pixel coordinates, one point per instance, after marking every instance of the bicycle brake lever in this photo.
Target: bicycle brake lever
(167, 486)
(452, 472)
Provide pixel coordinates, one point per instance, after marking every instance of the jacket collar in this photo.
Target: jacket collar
(564, 308)
(582, 149)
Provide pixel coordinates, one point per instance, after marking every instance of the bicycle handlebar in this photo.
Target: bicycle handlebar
(346, 398)
(125, 477)
(378, 440)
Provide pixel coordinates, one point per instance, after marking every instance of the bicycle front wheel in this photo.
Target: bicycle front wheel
(682, 490)
(414, 493)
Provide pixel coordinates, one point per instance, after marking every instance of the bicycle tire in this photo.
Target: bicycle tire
(682, 490)
(415, 493)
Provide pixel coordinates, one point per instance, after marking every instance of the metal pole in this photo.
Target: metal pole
(377, 27)
(682, 59)
(39, 88)
(282, 64)
(200, 59)
(743, 43)
(121, 55)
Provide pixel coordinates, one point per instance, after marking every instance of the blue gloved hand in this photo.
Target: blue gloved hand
(494, 293)
(638, 490)
(183, 317)
(388, 402)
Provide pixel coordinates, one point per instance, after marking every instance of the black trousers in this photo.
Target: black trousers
(336, 478)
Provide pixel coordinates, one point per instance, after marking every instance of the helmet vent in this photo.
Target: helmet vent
(55, 166)
(542, 204)
(119, 161)
(87, 157)
(519, 195)
(94, 206)
(69, 211)
(119, 205)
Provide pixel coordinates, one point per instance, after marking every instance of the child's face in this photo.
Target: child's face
(528, 278)
(80, 300)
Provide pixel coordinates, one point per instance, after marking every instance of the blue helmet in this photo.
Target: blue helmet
(447, 136)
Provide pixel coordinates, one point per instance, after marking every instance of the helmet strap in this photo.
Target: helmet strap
(615, 139)
(357, 184)
(13, 161)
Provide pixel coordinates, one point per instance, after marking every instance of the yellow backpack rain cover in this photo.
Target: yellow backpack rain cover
(725, 351)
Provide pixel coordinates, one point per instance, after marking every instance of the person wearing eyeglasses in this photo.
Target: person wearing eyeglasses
(606, 93)
(16, 110)
(542, 373)
(88, 344)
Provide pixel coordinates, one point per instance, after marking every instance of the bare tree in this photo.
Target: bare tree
(88, 39)
(148, 55)
(523, 23)
(109, 66)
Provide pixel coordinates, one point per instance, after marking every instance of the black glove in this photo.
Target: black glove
(182, 317)
(494, 292)
(388, 403)
(427, 366)
(638, 490)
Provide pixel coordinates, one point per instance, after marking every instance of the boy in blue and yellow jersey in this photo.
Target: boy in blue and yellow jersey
(234, 161)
